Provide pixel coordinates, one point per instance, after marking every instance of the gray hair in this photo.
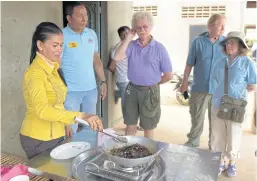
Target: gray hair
(140, 15)
(214, 18)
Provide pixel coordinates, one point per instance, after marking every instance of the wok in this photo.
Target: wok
(126, 162)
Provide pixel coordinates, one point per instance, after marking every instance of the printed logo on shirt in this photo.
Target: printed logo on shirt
(90, 41)
(73, 45)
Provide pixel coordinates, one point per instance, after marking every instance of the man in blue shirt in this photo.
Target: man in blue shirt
(80, 61)
(204, 52)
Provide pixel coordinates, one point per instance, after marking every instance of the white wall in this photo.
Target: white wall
(19, 20)
(119, 13)
(250, 18)
(173, 31)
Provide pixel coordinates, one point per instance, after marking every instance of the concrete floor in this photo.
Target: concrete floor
(175, 124)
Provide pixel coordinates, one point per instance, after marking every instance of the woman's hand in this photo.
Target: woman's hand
(251, 87)
(94, 121)
(68, 131)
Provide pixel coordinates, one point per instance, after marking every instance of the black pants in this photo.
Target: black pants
(33, 147)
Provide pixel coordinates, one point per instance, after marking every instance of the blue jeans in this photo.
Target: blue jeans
(122, 88)
(83, 101)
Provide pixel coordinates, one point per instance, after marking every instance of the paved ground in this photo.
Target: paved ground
(175, 124)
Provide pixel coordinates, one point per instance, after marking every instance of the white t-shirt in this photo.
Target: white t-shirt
(121, 66)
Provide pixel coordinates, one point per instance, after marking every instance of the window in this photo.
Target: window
(201, 11)
(251, 4)
(250, 30)
(151, 9)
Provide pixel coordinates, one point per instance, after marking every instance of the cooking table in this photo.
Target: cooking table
(182, 163)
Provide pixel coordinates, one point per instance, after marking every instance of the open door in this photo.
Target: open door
(195, 30)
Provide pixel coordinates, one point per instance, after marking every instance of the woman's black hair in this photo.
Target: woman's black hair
(42, 33)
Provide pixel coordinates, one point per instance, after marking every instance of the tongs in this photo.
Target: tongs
(121, 139)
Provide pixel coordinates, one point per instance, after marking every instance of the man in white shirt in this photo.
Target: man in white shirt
(120, 68)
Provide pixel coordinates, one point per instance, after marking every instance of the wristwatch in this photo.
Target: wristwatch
(103, 82)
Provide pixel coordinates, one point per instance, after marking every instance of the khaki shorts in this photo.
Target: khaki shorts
(144, 103)
(226, 136)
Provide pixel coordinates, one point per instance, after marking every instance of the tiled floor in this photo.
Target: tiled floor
(175, 124)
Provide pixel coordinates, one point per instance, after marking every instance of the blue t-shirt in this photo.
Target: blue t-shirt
(202, 56)
(240, 73)
(77, 59)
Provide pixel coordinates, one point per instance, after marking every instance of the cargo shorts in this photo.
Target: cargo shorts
(142, 102)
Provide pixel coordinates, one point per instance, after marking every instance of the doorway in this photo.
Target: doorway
(196, 30)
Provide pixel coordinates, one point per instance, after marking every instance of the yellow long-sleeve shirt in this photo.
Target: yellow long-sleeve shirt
(44, 93)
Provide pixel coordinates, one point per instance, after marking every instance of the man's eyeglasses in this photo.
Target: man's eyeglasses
(141, 27)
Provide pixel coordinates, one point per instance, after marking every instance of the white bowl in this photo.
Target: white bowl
(69, 150)
(20, 178)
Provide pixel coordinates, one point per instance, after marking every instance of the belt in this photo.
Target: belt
(142, 87)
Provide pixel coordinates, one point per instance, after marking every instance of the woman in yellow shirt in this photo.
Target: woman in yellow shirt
(44, 91)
